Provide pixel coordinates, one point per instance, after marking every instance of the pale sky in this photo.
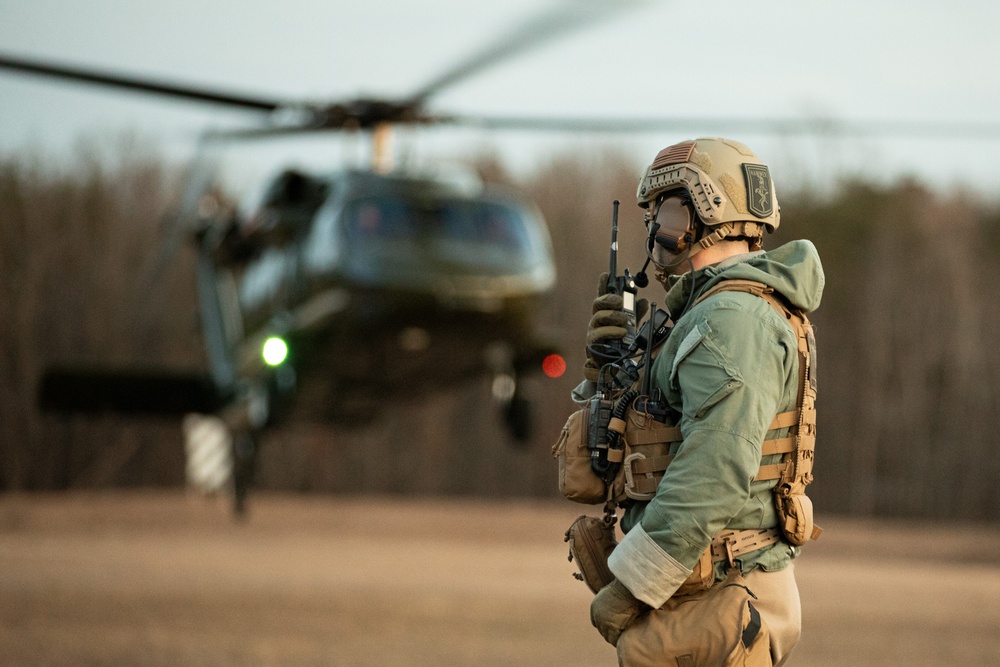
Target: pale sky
(850, 61)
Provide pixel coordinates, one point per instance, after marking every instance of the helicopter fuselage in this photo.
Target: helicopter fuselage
(381, 287)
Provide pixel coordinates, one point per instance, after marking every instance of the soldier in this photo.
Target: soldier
(704, 572)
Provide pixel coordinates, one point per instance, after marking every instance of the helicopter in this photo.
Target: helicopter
(339, 293)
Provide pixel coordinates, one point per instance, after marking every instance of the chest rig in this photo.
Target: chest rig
(643, 455)
(794, 472)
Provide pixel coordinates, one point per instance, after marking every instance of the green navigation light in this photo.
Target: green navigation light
(275, 351)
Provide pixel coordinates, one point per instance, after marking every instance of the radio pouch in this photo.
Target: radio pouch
(577, 481)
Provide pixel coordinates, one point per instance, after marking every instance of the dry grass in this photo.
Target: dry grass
(165, 579)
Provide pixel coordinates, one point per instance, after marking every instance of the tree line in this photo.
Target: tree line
(908, 342)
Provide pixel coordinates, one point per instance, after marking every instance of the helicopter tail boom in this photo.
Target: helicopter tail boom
(131, 391)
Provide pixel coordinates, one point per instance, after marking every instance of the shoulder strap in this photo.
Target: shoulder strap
(748, 286)
(795, 470)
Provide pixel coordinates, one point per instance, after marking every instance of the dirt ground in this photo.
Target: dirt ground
(169, 579)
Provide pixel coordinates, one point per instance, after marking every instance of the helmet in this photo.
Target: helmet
(720, 182)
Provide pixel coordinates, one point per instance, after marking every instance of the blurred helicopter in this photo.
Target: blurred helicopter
(341, 293)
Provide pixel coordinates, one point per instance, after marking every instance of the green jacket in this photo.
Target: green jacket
(729, 366)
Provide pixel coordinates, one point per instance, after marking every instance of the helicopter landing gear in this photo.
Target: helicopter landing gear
(516, 407)
(245, 448)
(519, 418)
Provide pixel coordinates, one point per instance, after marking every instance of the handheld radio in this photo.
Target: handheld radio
(623, 285)
(616, 355)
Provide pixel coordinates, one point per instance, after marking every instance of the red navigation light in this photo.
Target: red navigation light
(554, 365)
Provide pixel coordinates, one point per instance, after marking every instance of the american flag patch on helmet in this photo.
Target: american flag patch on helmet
(673, 154)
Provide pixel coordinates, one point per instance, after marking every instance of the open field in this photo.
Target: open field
(168, 579)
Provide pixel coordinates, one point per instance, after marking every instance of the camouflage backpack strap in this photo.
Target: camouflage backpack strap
(795, 471)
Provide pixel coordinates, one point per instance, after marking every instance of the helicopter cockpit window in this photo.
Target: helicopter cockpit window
(486, 223)
(477, 222)
(382, 218)
(495, 237)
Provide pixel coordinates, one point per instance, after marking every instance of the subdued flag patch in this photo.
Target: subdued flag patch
(759, 199)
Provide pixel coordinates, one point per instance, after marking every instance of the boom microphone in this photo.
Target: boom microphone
(641, 279)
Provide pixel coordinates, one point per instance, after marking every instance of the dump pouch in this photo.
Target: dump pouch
(591, 541)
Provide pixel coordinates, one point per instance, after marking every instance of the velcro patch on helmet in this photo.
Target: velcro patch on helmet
(734, 192)
(760, 201)
(743, 149)
(701, 160)
(673, 154)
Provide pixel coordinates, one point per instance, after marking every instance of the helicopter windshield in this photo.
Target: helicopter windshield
(482, 222)
(439, 223)
(381, 218)
(427, 240)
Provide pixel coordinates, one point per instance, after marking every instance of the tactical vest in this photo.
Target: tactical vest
(645, 456)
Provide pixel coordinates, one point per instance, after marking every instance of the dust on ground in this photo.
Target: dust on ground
(169, 579)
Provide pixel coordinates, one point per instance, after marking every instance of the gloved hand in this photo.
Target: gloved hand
(613, 609)
(608, 323)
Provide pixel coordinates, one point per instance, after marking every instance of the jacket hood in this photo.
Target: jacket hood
(793, 270)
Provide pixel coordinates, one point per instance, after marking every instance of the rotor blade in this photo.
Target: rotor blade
(317, 124)
(106, 78)
(562, 19)
(766, 126)
(267, 132)
(179, 227)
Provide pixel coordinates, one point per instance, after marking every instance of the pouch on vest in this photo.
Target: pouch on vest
(796, 514)
(719, 626)
(591, 541)
(577, 481)
(646, 446)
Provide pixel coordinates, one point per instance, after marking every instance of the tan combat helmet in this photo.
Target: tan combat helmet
(729, 188)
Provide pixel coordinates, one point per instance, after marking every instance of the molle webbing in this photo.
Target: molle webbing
(643, 473)
(644, 469)
(729, 544)
(795, 469)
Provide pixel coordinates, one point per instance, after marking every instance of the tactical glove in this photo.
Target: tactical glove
(613, 609)
(608, 323)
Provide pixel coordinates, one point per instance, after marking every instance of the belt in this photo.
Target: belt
(729, 544)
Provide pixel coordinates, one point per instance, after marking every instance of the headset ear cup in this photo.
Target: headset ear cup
(676, 224)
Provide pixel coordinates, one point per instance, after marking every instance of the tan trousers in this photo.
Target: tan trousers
(779, 607)
(652, 641)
